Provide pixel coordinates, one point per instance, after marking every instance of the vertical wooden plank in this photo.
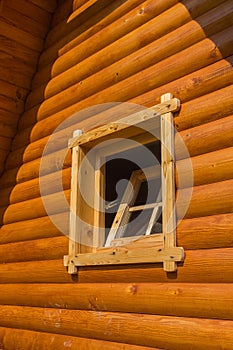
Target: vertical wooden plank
(73, 245)
(168, 182)
(99, 210)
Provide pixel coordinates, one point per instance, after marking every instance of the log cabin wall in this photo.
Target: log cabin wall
(124, 51)
(24, 25)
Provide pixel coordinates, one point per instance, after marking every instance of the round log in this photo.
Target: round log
(28, 118)
(158, 331)
(18, 339)
(31, 170)
(206, 200)
(42, 76)
(104, 17)
(36, 96)
(211, 300)
(206, 138)
(38, 228)
(67, 42)
(34, 208)
(31, 189)
(34, 250)
(158, 50)
(194, 60)
(205, 109)
(200, 266)
(126, 24)
(207, 168)
(206, 232)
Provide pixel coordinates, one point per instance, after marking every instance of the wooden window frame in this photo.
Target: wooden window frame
(155, 248)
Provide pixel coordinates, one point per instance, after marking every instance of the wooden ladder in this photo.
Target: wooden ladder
(127, 207)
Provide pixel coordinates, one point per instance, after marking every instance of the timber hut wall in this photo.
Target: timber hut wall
(124, 51)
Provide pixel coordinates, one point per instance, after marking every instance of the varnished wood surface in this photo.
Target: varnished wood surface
(189, 54)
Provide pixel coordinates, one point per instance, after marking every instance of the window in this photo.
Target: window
(123, 192)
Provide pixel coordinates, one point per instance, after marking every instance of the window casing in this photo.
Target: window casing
(92, 241)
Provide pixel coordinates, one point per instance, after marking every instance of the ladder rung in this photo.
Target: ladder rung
(145, 206)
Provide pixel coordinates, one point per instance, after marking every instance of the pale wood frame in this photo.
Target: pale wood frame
(144, 249)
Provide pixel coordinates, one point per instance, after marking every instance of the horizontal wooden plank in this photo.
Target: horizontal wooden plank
(211, 300)
(135, 119)
(200, 266)
(16, 339)
(158, 331)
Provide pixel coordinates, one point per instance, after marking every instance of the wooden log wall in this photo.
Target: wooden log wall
(24, 25)
(127, 51)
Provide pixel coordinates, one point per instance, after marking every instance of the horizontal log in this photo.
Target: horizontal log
(39, 228)
(28, 8)
(34, 208)
(17, 339)
(7, 130)
(211, 300)
(147, 11)
(198, 233)
(22, 37)
(158, 331)
(93, 24)
(200, 266)
(47, 5)
(7, 117)
(51, 163)
(5, 143)
(36, 96)
(63, 10)
(12, 105)
(21, 52)
(205, 169)
(206, 138)
(193, 61)
(12, 91)
(206, 232)
(219, 74)
(23, 22)
(16, 76)
(102, 55)
(205, 109)
(34, 250)
(205, 200)
(87, 19)
(140, 59)
(32, 189)
(29, 118)
(42, 76)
